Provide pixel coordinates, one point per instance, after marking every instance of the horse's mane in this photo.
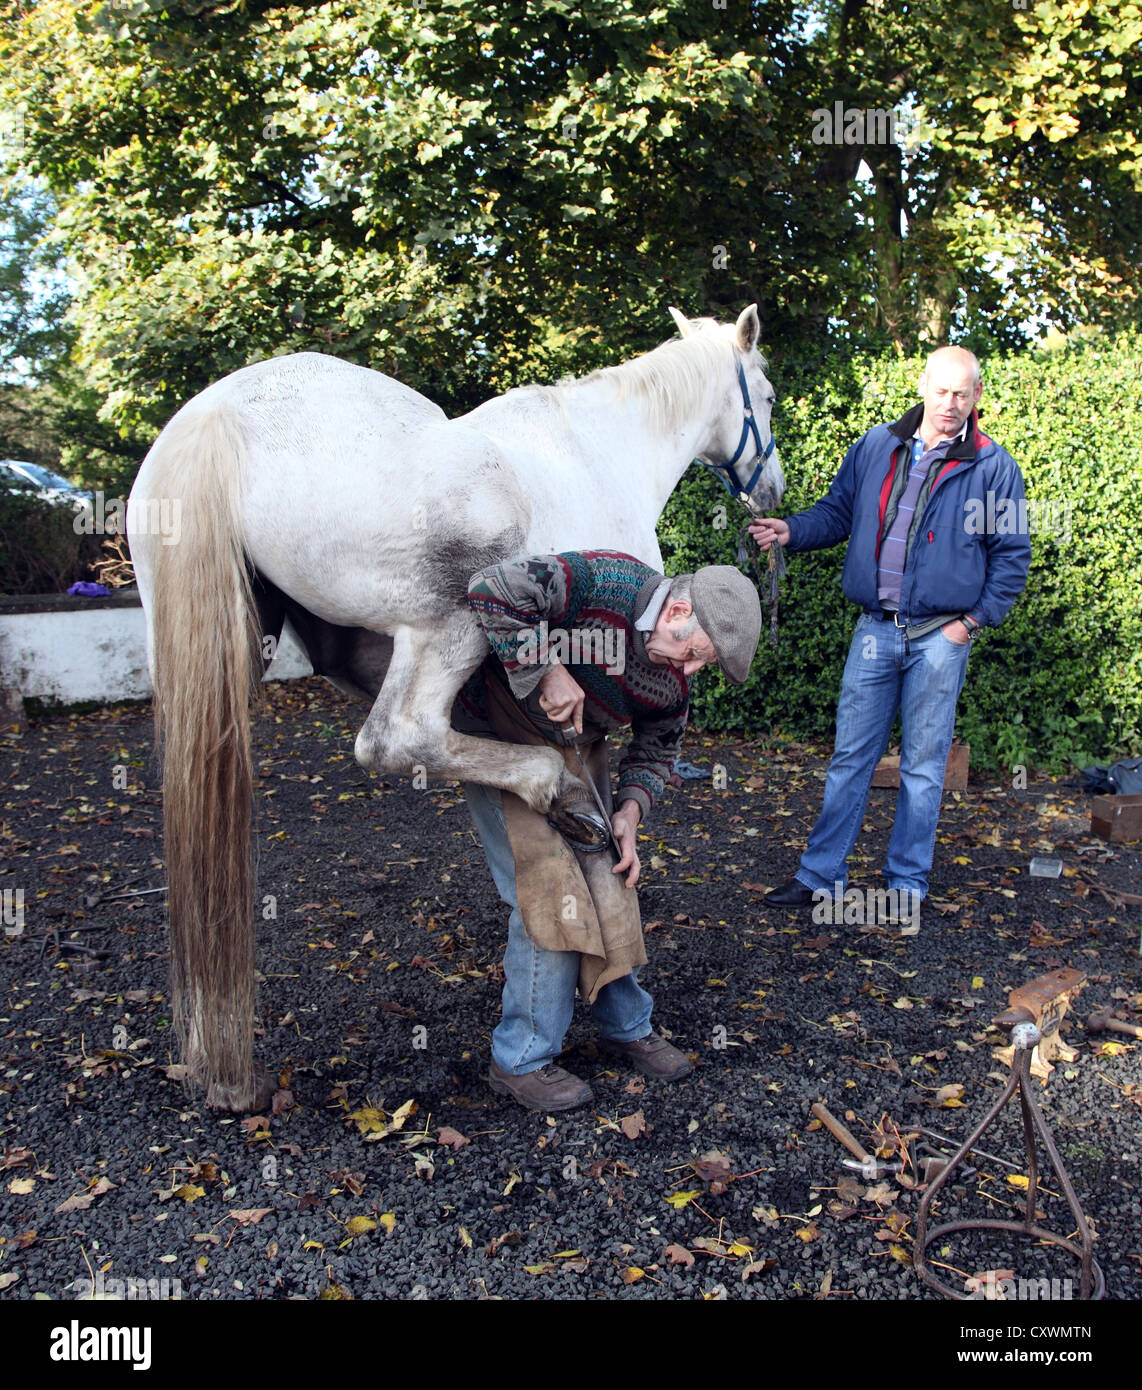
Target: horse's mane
(669, 377)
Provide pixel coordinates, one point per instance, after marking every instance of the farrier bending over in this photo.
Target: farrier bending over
(594, 640)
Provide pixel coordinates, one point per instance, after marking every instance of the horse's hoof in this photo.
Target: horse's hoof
(574, 814)
(581, 826)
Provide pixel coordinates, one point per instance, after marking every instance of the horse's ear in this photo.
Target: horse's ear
(682, 322)
(748, 329)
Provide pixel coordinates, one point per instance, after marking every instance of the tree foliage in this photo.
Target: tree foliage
(467, 197)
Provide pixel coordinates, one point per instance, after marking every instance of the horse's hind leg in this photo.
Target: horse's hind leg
(408, 727)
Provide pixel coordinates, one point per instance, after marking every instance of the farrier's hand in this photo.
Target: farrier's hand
(957, 632)
(768, 529)
(561, 697)
(625, 824)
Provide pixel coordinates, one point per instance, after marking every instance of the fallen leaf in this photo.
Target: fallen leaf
(715, 1169)
(360, 1225)
(368, 1120)
(250, 1216)
(678, 1255)
(989, 1284)
(508, 1238)
(947, 1094)
(451, 1138)
(883, 1194)
(632, 1274)
(678, 1200)
(388, 1220)
(77, 1202)
(20, 1187)
(849, 1189)
(807, 1233)
(633, 1125)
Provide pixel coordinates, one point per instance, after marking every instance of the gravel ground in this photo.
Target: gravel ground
(387, 1169)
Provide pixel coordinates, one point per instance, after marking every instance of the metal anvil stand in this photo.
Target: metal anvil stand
(1024, 1036)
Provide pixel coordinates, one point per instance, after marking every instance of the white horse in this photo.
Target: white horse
(306, 489)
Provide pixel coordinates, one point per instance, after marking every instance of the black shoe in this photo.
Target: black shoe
(791, 894)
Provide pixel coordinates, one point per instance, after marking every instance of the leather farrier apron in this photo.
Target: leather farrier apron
(568, 901)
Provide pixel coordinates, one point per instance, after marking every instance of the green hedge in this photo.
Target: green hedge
(1061, 681)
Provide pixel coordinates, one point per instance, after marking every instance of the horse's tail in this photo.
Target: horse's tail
(207, 670)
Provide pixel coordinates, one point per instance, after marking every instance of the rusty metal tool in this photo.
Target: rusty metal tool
(1042, 1001)
(869, 1166)
(1103, 1019)
(955, 1143)
(1025, 1036)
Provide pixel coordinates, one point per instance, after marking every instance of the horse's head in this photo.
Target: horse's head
(740, 447)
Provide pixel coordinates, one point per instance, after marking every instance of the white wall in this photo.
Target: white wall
(93, 650)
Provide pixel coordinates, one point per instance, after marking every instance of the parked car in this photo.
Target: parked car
(53, 487)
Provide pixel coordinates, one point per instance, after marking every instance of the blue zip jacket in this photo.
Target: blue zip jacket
(970, 552)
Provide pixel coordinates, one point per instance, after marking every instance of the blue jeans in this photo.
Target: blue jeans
(884, 673)
(539, 985)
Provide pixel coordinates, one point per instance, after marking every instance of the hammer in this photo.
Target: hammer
(868, 1167)
(1103, 1020)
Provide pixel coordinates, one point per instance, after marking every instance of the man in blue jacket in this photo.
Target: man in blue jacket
(930, 562)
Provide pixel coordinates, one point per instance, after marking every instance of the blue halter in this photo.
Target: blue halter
(727, 472)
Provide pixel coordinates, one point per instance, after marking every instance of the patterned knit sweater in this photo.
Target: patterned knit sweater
(580, 609)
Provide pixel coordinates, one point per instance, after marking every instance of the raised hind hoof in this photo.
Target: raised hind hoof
(238, 1100)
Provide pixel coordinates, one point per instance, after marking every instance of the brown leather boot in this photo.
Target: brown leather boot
(652, 1055)
(549, 1088)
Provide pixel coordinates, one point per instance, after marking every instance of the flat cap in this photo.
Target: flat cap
(728, 610)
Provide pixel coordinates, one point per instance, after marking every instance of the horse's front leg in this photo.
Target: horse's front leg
(408, 728)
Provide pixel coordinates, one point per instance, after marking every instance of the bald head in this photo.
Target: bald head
(957, 356)
(950, 386)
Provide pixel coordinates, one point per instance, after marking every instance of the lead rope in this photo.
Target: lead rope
(770, 581)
